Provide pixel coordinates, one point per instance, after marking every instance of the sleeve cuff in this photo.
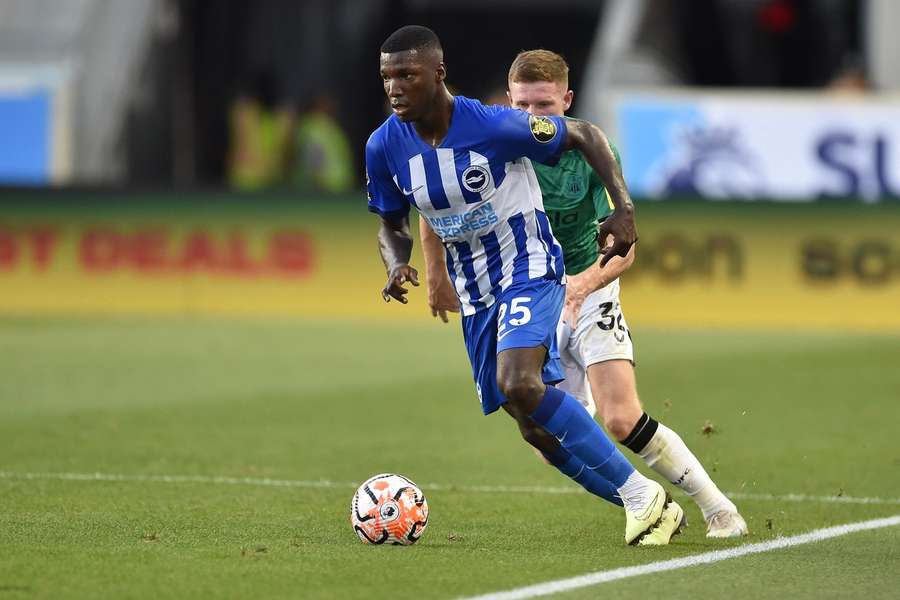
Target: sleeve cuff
(390, 215)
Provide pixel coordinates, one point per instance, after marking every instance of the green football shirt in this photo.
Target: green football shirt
(574, 200)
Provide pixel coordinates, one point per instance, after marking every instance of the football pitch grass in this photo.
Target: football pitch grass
(216, 458)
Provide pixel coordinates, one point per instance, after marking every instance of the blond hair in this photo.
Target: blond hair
(539, 65)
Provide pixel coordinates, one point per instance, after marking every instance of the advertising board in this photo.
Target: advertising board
(798, 147)
(832, 266)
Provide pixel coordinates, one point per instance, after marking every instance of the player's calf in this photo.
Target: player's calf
(614, 389)
(531, 432)
(565, 462)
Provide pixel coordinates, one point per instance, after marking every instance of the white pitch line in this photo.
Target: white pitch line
(439, 487)
(115, 477)
(806, 498)
(572, 583)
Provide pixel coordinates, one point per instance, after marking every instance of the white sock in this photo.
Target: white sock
(635, 491)
(667, 454)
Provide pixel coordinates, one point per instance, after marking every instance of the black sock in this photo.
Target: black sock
(642, 433)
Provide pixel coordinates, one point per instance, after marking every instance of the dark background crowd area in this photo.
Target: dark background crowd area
(274, 93)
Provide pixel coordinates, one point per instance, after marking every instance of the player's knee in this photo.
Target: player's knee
(618, 425)
(524, 391)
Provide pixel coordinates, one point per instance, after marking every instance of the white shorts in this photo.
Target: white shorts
(601, 334)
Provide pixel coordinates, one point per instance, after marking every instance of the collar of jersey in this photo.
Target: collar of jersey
(443, 142)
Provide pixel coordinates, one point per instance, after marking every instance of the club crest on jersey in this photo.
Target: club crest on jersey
(476, 178)
(542, 128)
(573, 186)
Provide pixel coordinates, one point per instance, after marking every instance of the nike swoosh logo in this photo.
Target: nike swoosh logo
(412, 191)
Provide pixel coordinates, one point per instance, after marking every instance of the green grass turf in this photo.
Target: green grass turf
(805, 413)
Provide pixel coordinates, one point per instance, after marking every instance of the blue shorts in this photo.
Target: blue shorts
(525, 315)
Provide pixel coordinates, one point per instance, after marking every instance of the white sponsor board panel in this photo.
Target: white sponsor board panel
(798, 147)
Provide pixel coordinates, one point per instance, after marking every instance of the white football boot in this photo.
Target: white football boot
(726, 524)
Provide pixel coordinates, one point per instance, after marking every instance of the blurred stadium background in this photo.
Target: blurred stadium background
(183, 237)
(158, 155)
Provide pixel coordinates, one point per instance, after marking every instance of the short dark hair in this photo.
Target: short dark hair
(411, 37)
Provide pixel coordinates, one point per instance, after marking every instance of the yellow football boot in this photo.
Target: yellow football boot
(670, 525)
(640, 522)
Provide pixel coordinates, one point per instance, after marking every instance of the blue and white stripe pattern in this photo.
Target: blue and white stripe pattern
(479, 193)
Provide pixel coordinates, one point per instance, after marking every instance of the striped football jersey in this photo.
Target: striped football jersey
(477, 190)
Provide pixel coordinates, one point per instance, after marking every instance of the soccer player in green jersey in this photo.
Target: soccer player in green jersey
(594, 339)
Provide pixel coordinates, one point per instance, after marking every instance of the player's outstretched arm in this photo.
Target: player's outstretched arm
(593, 144)
(395, 244)
(441, 295)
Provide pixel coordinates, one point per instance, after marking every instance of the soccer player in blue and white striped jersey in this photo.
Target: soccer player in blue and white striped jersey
(467, 169)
